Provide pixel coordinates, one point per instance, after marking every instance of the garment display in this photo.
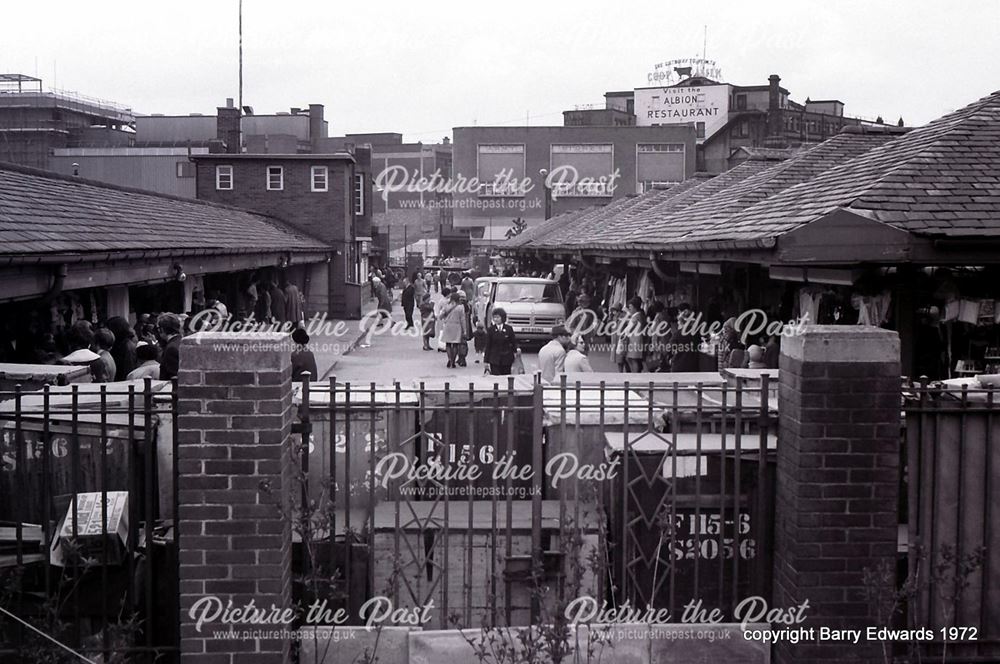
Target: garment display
(951, 309)
(645, 289)
(809, 300)
(872, 309)
(617, 292)
(968, 311)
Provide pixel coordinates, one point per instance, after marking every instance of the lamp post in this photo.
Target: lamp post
(544, 173)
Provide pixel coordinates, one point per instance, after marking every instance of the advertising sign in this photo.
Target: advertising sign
(672, 72)
(680, 105)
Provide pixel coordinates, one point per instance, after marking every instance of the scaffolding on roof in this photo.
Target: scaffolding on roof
(20, 84)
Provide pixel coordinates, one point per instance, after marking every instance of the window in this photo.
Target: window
(699, 130)
(741, 102)
(359, 194)
(658, 163)
(642, 186)
(223, 178)
(185, 169)
(583, 169)
(743, 129)
(275, 178)
(320, 178)
(501, 170)
(528, 292)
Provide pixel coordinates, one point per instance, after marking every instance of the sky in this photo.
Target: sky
(421, 68)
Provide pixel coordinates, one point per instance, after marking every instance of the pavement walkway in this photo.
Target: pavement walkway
(337, 338)
(394, 355)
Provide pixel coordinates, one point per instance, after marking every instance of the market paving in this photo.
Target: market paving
(389, 356)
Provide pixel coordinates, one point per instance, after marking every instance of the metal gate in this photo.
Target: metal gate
(952, 460)
(88, 551)
(499, 502)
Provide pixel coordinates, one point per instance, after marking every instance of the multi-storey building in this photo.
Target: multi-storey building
(34, 122)
(727, 118)
(504, 173)
(323, 195)
(403, 212)
(157, 160)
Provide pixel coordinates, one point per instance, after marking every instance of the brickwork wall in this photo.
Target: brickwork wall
(837, 480)
(323, 215)
(234, 418)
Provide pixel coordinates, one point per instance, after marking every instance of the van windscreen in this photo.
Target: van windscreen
(528, 292)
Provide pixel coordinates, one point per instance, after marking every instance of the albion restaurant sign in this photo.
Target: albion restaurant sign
(676, 105)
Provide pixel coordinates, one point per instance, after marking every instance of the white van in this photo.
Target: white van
(534, 306)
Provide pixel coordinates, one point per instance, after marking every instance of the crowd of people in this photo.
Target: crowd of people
(641, 336)
(116, 350)
(447, 325)
(652, 337)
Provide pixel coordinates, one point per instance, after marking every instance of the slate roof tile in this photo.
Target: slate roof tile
(943, 178)
(938, 165)
(45, 213)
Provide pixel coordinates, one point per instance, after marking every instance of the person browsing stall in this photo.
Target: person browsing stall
(552, 356)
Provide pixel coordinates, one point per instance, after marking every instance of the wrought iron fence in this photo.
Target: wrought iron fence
(499, 501)
(952, 462)
(88, 551)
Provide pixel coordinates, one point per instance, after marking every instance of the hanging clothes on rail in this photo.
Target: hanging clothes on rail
(645, 289)
(809, 300)
(872, 309)
(617, 292)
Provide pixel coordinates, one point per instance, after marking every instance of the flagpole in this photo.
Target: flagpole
(240, 107)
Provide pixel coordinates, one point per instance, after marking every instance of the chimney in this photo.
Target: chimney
(774, 130)
(228, 128)
(316, 124)
(229, 102)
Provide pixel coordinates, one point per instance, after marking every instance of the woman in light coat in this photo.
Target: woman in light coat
(635, 329)
(453, 331)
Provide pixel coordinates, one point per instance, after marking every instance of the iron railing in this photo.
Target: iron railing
(518, 496)
(88, 553)
(952, 460)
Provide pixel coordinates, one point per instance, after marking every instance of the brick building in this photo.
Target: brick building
(504, 164)
(156, 155)
(321, 195)
(408, 217)
(726, 117)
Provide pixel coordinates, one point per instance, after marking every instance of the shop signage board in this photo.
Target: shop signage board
(683, 105)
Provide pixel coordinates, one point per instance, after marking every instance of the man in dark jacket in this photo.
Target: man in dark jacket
(303, 359)
(279, 310)
(684, 343)
(124, 349)
(168, 329)
(408, 300)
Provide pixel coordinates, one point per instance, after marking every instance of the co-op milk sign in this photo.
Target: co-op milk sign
(680, 105)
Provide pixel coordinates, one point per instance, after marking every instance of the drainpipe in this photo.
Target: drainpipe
(58, 279)
(657, 270)
(588, 262)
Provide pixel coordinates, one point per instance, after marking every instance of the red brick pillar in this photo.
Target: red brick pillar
(837, 480)
(234, 419)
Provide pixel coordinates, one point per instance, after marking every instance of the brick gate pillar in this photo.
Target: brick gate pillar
(837, 480)
(234, 420)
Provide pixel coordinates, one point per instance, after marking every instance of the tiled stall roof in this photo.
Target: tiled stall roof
(718, 210)
(622, 230)
(940, 179)
(43, 213)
